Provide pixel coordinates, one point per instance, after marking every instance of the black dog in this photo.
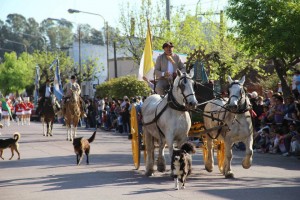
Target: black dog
(181, 165)
(83, 145)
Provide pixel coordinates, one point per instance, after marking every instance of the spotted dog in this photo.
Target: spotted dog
(181, 164)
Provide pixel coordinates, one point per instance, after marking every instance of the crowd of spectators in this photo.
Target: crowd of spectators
(112, 114)
(276, 123)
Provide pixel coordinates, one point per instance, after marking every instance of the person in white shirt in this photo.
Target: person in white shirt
(165, 68)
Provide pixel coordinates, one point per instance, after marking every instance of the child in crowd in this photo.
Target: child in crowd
(295, 143)
(263, 141)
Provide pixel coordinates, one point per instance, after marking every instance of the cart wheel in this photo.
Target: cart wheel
(204, 148)
(135, 141)
(221, 155)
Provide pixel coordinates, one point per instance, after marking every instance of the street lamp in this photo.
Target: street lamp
(79, 43)
(106, 28)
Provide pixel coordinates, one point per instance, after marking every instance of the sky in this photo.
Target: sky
(109, 9)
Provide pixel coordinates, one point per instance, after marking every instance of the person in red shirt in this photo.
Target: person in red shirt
(19, 110)
(28, 108)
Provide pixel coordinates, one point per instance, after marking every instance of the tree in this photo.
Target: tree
(59, 33)
(123, 86)
(269, 29)
(44, 60)
(16, 73)
(187, 32)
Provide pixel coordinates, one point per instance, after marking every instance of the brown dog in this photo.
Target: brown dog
(83, 145)
(11, 143)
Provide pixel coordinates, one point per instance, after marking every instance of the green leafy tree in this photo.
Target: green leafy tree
(44, 60)
(16, 73)
(123, 86)
(269, 29)
(188, 33)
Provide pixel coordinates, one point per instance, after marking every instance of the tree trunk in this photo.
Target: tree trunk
(286, 90)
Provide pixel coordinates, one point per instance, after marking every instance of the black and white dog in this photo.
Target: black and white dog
(181, 164)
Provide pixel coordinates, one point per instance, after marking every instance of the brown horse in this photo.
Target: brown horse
(48, 115)
(72, 115)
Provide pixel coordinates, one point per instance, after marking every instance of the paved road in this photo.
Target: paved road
(47, 170)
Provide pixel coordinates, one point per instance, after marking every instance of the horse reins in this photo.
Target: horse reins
(172, 103)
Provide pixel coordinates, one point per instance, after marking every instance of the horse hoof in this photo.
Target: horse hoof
(149, 174)
(229, 176)
(246, 165)
(161, 168)
(207, 169)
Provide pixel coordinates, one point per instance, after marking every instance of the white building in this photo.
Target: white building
(125, 64)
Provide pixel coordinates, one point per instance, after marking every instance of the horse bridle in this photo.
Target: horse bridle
(172, 101)
(242, 107)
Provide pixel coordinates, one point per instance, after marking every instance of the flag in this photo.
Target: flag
(147, 65)
(58, 92)
(36, 84)
(5, 106)
(53, 63)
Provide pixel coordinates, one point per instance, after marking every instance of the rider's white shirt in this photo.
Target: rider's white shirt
(48, 91)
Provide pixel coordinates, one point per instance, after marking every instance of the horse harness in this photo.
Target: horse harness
(172, 103)
(242, 109)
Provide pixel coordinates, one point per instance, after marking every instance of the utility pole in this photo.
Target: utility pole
(115, 60)
(168, 12)
(79, 56)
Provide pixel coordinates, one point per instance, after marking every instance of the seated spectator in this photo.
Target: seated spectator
(295, 143)
(277, 142)
(288, 137)
(289, 109)
(266, 117)
(262, 142)
(277, 111)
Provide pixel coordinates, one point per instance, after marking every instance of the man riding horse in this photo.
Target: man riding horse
(44, 94)
(165, 68)
(68, 87)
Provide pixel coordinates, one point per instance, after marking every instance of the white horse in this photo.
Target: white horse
(167, 119)
(236, 126)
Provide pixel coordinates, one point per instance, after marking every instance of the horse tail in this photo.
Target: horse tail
(17, 136)
(91, 139)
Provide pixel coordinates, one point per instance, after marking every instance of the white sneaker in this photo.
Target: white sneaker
(286, 154)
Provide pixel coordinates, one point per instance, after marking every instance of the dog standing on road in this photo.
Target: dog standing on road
(181, 164)
(83, 145)
(11, 143)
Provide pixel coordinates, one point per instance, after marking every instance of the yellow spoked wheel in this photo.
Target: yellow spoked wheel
(204, 148)
(221, 155)
(135, 140)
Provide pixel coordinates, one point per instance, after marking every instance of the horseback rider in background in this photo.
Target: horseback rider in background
(67, 94)
(44, 94)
